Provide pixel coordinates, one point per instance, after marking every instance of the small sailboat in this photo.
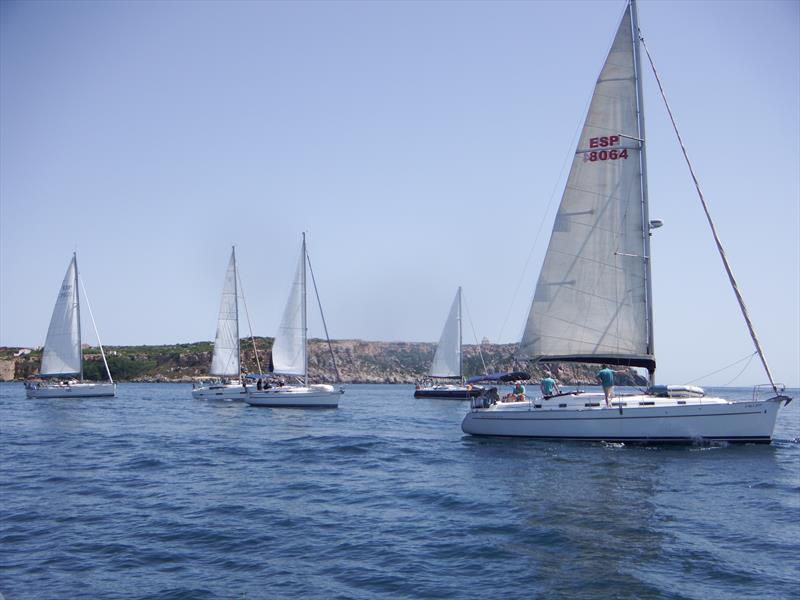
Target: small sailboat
(447, 361)
(226, 359)
(62, 357)
(290, 355)
(593, 299)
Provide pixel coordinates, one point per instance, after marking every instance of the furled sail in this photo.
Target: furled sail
(225, 361)
(288, 351)
(447, 360)
(62, 348)
(590, 303)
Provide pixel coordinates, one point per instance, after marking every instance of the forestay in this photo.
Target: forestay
(590, 302)
(447, 360)
(62, 348)
(288, 351)
(225, 361)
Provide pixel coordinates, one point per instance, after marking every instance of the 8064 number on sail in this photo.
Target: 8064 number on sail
(605, 142)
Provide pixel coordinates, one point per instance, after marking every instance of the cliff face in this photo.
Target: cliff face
(357, 362)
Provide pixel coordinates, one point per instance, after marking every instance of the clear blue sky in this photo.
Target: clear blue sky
(420, 144)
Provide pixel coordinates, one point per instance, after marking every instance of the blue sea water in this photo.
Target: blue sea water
(156, 495)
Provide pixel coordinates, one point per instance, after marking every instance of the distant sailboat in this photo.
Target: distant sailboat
(290, 355)
(592, 302)
(226, 359)
(448, 361)
(62, 356)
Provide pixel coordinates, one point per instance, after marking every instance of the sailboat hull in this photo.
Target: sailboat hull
(448, 392)
(296, 396)
(222, 391)
(71, 390)
(709, 419)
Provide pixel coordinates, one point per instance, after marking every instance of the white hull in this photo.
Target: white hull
(71, 390)
(296, 396)
(661, 420)
(220, 391)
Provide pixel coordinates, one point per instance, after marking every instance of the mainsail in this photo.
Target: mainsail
(62, 348)
(289, 349)
(447, 360)
(591, 300)
(225, 361)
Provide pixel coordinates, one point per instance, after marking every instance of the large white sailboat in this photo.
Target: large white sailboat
(290, 355)
(447, 362)
(592, 302)
(62, 358)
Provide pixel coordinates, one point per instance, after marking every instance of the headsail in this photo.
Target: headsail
(62, 348)
(289, 351)
(447, 360)
(225, 361)
(590, 303)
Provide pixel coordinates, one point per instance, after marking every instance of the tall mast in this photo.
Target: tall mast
(78, 308)
(236, 305)
(645, 204)
(460, 347)
(303, 304)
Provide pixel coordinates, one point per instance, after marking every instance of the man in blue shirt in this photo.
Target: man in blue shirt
(549, 385)
(606, 377)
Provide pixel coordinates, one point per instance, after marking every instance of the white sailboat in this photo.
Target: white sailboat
(226, 359)
(62, 356)
(290, 355)
(447, 361)
(592, 302)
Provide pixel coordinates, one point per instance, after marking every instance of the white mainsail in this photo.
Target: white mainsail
(225, 361)
(62, 348)
(591, 299)
(289, 348)
(447, 360)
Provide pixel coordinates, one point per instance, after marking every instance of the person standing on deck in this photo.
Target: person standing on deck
(549, 386)
(606, 377)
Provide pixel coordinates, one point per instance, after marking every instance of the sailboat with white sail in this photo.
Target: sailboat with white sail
(226, 358)
(62, 357)
(448, 362)
(290, 354)
(593, 299)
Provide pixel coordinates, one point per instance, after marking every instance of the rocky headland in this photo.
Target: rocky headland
(357, 361)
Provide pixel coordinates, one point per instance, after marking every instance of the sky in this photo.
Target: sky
(421, 145)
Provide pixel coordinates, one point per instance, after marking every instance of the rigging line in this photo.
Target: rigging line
(740, 372)
(321, 314)
(475, 335)
(721, 250)
(99, 343)
(249, 325)
(747, 358)
(556, 186)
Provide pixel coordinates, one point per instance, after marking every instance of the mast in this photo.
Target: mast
(78, 309)
(460, 338)
(236, 305)
(304, 322)
(645, 203)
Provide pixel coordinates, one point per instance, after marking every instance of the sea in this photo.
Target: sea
(154, 494)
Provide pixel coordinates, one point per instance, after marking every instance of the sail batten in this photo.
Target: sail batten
(590, 302)
(225, 360)
(62, 347)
